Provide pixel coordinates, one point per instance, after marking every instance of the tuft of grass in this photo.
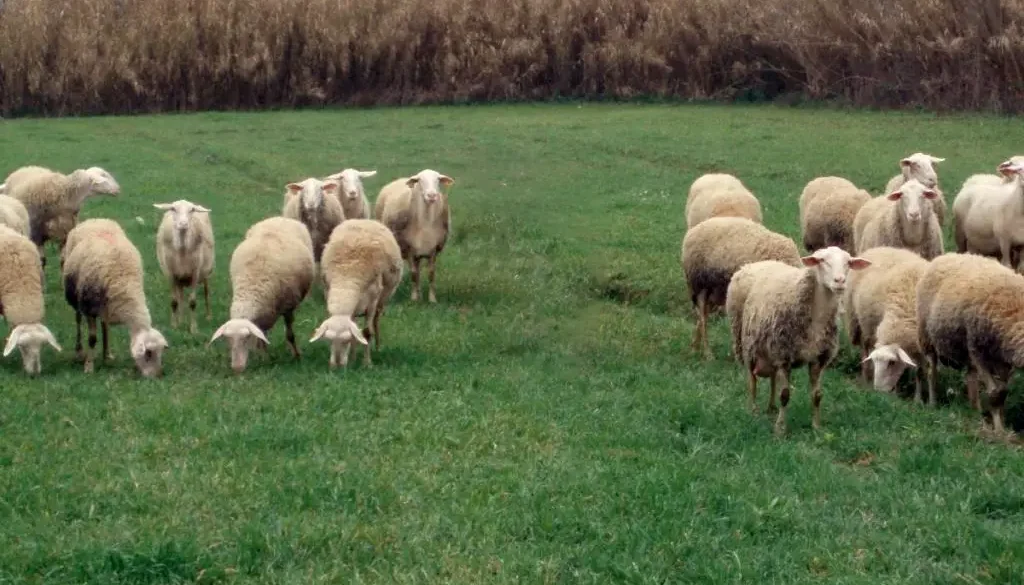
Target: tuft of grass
(544, 422)
(131, 56)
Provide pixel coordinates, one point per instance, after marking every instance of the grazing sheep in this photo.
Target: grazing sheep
(416, 211)
(714, 250)
(881, 315)
(351, 195)
(314, 203)
(988, 218)
(828, 206)
(921, 167)
(789, 319)
(362, 267)
(272, 270)
(21, 299)
(14, 215)
(103, 279)
(720, 195)
(969, 311)
(48, 194)
(185, 252)
(901, 219)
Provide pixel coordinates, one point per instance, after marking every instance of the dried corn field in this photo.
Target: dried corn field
(120, 56)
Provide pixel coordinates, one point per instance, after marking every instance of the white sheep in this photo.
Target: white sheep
(969, 312)
(789, 319)
(21, 299)
(828, 206)
(416, 211)
(272, 270)
(720, 195)
(901, 219)
(713, 251)
(988, 217)
(314, 203)
(14, 215)
(921, 166)
(352, 195)
(362, 266)
(881, 316)
(103, 279)
(185, 252)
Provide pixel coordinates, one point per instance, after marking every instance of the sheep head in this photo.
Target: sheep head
(147, 348)
(242, 335)
(832, 265)
(1011, 168)
(341, 331)
(181, 212)
(890, 361)
(29, 339)
(921, 166)
(351, 182)
(102, 182)
(427, 184)
(911, 197)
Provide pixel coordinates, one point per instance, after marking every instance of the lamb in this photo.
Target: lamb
(969, 314)
(306, 202)
(988, 218)
(720, 195)
(416, 211)
(351, 195)
(921, 167)
(21, 300)
(48, 194)
(828, 206)
(362, 267)
(881, 316)
(14, 215)
(789, 319)
(902, 219)
(272, 270)
(103, 279)
(185, 252)
(714, 250)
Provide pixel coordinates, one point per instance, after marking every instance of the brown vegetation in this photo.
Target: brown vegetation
(103, 56)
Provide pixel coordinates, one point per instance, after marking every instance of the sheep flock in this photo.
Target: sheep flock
(873, 266)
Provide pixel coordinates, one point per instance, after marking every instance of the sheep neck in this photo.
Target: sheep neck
(423, 212)
(79, 188)
(823, 301)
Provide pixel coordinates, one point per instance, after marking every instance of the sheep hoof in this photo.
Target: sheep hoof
(773, 409)
(780, 430)
(754, 409)
(433, 298)
(109, 357)
(193, 329)
(89, 367)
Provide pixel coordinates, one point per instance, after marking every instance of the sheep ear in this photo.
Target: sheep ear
(257, 332)
(929, 194)
(217, 334)
(411, 181)
(330, 187)
(319, 332)
(810, 260)
(894, 196)
(12, 341)
(200, 209)
(367, 174)
(905, 357)
(859, 263)
(445, 179)
(139, 347)
(51, 339)
(163, 206)
(356, 333)
(906, 162)
(935, 159)
(293, 187)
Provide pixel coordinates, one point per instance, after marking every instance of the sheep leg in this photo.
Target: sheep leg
(106, 345)
(78, 336)
(780, 421)
(432, 264)
(996, 389)
(289, 320)
(206, 298)
(193, 327)
(932, 365)
(175, 303)
(752, 388)
(1006, 252)
(972, 389)
(89, 364)
(814, 377)
(866, 369)
(414, 271)
(772, 407)
(375, 325)
(920, 379)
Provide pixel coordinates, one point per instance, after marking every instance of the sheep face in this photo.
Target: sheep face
(832, 265)
(341, 331)
(29, 339)
(912, 196)
(242, 335)
(147, 350)
(351, 182)
(921, 167)
(181, 212)
(427, 184)
(311, 194)
(890, 361)
(102, 181)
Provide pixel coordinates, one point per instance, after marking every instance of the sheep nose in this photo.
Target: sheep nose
(840, 279)
(914, 215)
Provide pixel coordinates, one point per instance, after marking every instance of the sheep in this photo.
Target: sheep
(902, 219)
(351, 194)
(921, 166)
(789, 319)
(103, 279)
(969, 310)
(185, 252)
(14, 215)
(713, 251)
(362, 267)
(306, 202)
(272, 270)
(881, 316)
(828, 206)
(720, 195)
(47, 194)
(416, 211)
(988, 217)
(21, 300)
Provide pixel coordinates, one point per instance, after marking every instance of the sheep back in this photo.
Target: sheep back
(720, 195)
(736, 297)
(14, 215)
(21, 290)
(881, 299)
(360, 251)
(828, 207)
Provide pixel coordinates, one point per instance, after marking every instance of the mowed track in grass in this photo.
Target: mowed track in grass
(545, 422)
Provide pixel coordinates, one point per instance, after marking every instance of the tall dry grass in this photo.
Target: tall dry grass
(101, 56)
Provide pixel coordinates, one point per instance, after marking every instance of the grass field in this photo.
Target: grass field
(545, 422)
